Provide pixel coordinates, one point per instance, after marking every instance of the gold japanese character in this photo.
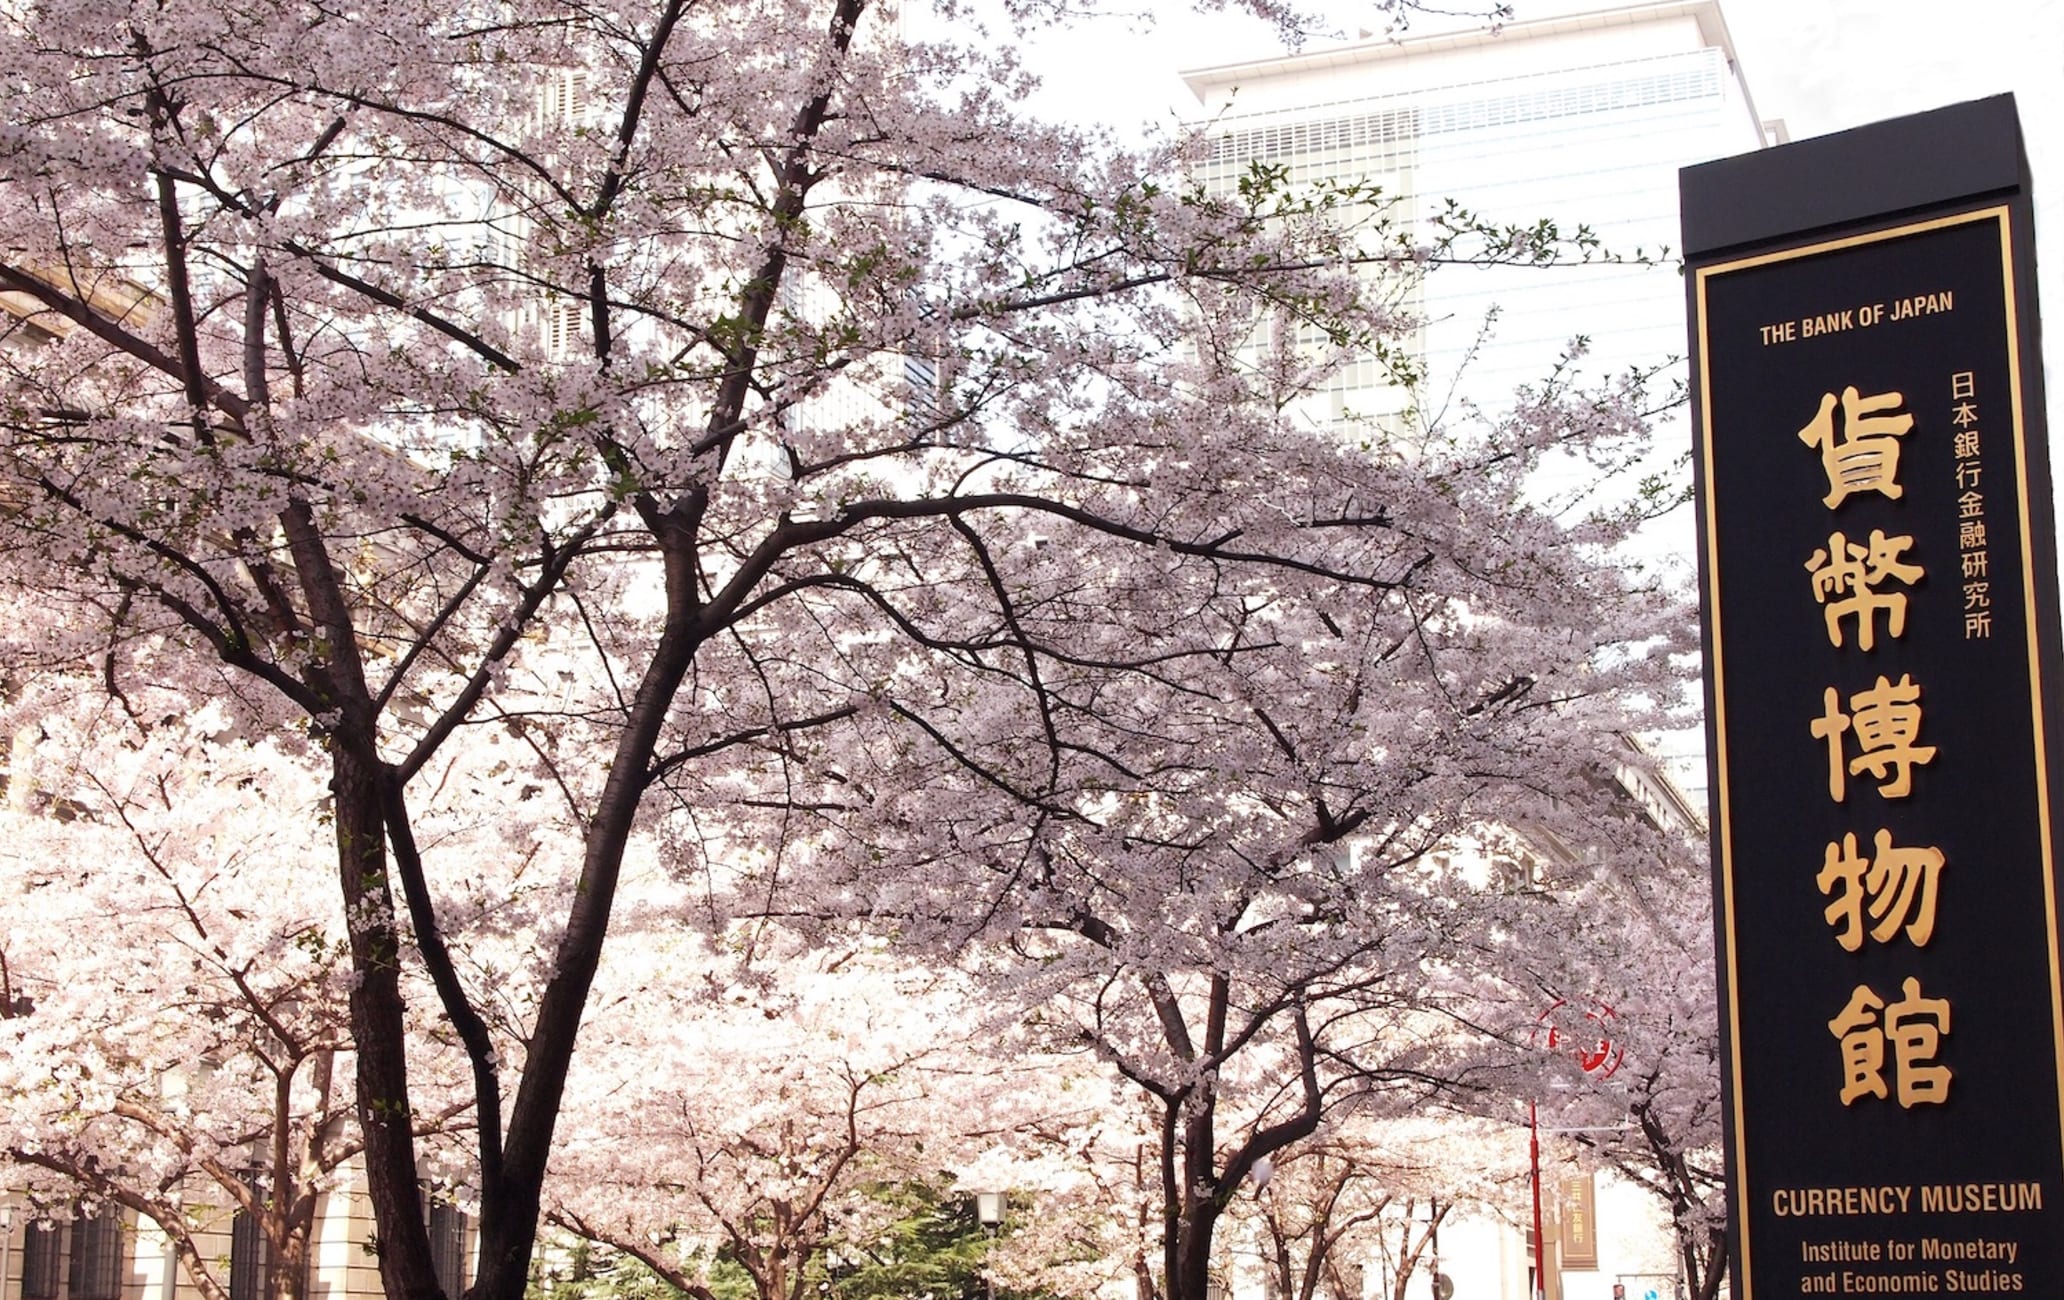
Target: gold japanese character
(1852, 572)
(1978, 625)
(1897, 888)
(1965, 443)
(1968, 473)
(1914, 1026)
(1865, 457)
(1963, 416)
(1971, 505)
(1886, 720)
(1963, 384)
(1971, 535)
(1977, 595)
(1974, 565)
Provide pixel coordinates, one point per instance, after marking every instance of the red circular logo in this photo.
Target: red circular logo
(1601, 1056)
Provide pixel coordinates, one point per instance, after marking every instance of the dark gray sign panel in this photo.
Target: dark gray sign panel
(1878, 585)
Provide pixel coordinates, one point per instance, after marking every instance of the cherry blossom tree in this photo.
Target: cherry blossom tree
(731, 432)
(1358, 1194)
(175, 979)
(1607, 1025)
(758, 1118)
(1658, 1118)
(1261, 890)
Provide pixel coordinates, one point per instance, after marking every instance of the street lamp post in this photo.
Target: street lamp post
(1533, 1120)
(1599, 1060)
(989, 1207)
(1533, 1123)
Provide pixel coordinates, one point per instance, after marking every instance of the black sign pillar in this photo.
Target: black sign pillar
(1878, 575)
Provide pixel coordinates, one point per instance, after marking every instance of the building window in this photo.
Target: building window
(94, 1268)
(249, 1254)
(448, 1247)
(41, 1251)
(96, 1272)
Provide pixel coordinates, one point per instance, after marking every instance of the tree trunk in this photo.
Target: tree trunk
(407, 1271)
(1193, 1238)
(1706, 1275)
(286, 1273)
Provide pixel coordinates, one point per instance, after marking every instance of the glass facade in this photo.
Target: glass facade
(1592, 145)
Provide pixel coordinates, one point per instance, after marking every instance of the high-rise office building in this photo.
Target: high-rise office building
(1582, 120)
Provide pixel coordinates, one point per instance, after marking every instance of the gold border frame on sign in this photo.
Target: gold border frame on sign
(2003, 218)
